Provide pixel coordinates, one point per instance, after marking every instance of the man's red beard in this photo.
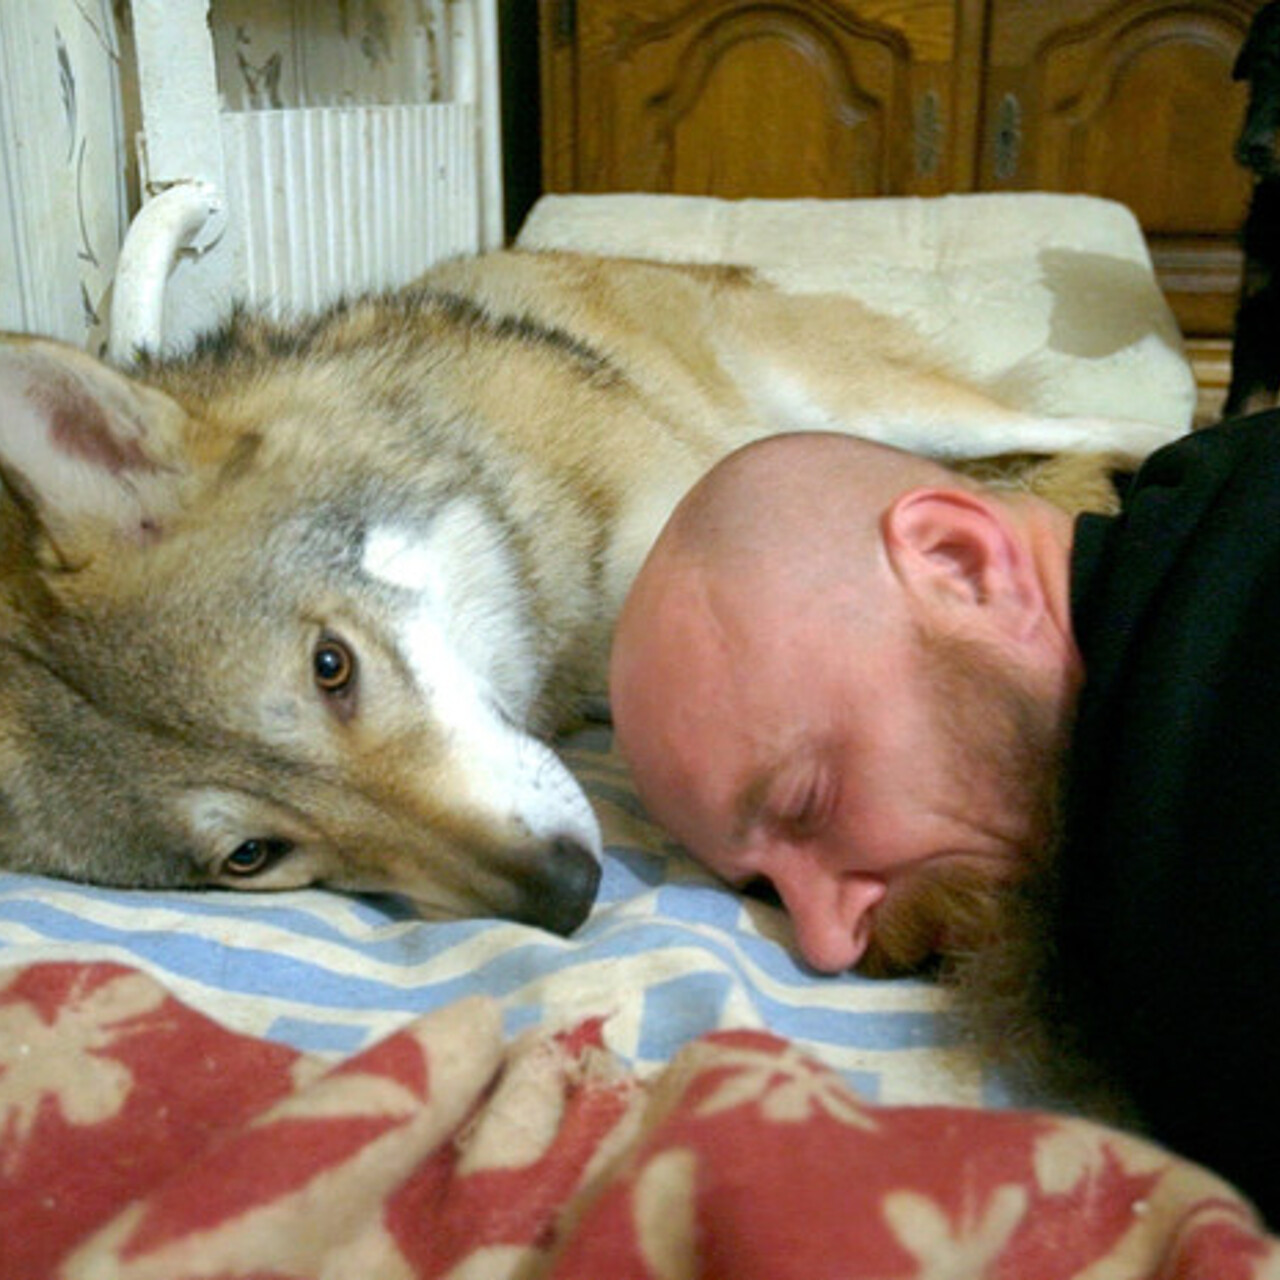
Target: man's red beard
(1009, 744)
(948, 909)
(992, 923)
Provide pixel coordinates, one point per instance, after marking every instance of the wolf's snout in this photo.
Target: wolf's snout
(565, 888)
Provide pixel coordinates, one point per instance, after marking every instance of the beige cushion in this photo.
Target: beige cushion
(1048, 300)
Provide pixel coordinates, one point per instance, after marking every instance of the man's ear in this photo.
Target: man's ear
(962, 560)
(87, 454)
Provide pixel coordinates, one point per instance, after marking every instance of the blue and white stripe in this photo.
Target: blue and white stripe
(667, 955)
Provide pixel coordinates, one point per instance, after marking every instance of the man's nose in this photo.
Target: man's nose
(831, 912)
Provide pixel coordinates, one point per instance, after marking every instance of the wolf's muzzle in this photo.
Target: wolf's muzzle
(560, 895)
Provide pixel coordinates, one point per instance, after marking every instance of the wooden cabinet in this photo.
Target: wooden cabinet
(775, 99)
(1131, 99)
(1135, 101)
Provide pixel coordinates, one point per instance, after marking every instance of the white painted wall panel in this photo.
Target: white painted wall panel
(62, 148)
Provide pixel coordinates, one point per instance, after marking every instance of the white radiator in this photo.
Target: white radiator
(335, 199)
(289, 206)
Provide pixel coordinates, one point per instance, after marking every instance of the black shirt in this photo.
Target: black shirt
(1168, 946)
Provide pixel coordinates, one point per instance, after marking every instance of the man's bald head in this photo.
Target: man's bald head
(844, 669)
(821, 493)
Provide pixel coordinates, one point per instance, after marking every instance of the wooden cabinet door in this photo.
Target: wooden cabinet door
(1131, 99)
(736, 98)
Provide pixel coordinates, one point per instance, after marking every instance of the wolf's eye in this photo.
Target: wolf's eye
(254, 856)
(333, 664)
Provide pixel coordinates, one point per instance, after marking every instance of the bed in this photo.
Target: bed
(307, 1084)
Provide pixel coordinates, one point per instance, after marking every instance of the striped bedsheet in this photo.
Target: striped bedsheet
(667, 955)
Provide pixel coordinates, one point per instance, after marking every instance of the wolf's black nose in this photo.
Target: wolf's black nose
(569, 881)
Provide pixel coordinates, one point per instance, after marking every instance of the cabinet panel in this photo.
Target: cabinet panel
(1131, 99)
(732, 98)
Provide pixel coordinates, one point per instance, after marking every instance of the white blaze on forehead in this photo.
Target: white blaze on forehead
(459, 568)
(399, 557)
(462, 629)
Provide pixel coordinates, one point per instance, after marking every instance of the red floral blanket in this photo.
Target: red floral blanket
(138, 1139)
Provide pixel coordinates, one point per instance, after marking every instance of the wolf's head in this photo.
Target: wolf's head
(262, 655)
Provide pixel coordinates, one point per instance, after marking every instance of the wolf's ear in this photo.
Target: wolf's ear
(88, 452)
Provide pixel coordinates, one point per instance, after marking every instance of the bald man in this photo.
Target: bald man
(938, 719)
(844, 670)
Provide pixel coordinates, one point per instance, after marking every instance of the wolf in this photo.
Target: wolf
(304, 604)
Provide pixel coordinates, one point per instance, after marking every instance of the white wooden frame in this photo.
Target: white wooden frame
(287, 208)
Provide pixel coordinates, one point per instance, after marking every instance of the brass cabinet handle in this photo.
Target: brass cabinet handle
(1008, 138)
(930, 131)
